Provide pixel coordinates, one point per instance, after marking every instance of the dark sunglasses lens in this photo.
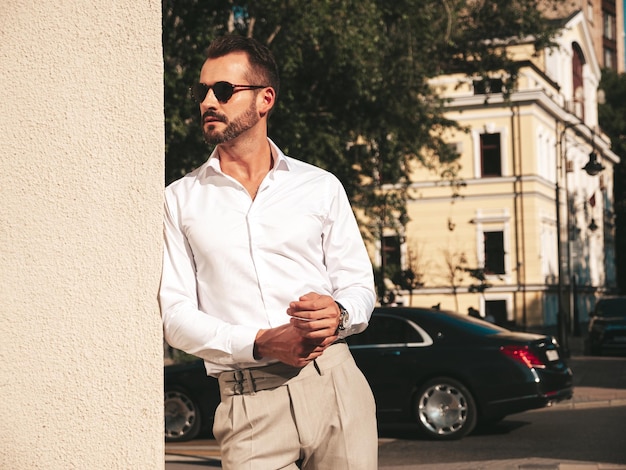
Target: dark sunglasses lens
(199, 92)
(223, 91)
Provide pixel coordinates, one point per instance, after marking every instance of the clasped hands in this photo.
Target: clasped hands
(311, 329)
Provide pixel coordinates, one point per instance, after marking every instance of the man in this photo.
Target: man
(264, 274)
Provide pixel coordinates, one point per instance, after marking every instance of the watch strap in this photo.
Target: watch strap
(343, 317)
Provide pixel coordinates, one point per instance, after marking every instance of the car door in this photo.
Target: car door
(388, 353)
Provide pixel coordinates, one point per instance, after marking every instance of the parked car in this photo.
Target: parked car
(443, 371)
(448, 372)
(607, 326)
(191, 397)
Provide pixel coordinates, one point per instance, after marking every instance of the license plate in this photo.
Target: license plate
(552, 355)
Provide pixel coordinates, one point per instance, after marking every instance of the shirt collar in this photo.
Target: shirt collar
(212, 166)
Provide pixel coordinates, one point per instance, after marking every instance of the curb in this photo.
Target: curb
(525, 464)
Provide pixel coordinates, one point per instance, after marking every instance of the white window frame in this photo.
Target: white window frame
(490, 129)
(499, 221)
(508, 298)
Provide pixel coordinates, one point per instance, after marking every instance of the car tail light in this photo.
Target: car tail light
(524, 355)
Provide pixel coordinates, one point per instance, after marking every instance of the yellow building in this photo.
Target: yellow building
(521, 179)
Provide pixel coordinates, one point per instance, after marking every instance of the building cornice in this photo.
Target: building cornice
(545, 102)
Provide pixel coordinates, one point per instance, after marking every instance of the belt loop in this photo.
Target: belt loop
(247, 374)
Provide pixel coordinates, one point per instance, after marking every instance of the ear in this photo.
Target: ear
(266, 100)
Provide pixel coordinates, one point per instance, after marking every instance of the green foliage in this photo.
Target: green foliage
(612, 117)
(188, 27)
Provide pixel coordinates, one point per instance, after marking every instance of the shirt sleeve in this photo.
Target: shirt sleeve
(185, 327)
(348, 263)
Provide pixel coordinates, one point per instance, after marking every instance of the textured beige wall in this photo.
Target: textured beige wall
(81, 178)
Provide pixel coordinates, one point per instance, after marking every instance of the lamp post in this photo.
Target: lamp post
(592, 168)
(561, 319)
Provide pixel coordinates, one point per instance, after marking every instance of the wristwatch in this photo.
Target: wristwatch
(343, 317)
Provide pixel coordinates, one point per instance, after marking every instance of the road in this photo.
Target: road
(594, 434)
(573, 435)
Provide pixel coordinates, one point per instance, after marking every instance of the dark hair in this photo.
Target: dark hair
(261, 59)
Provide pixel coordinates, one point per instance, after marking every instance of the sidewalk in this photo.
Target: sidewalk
(598, 382)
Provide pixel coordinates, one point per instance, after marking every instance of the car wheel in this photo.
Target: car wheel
(445, 409)
(182, 416)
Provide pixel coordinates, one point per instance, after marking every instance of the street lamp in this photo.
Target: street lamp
(592, 168)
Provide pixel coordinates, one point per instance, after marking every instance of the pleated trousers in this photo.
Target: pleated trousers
(321, 417)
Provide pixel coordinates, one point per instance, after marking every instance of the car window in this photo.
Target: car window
(385, 330)
(611, 307)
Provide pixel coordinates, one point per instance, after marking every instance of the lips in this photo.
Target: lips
(210, 116)
(211, 121)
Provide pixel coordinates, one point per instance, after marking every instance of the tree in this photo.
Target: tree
(412, 278)
(454, 264)
(612, 118)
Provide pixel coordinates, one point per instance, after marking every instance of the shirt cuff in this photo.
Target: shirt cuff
(243, 343)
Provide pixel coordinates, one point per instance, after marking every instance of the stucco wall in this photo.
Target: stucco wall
(81, 179)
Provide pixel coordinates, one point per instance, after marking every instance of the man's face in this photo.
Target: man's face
(223, 122)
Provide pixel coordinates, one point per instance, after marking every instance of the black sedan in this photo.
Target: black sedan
(444, 371)
(448, 372)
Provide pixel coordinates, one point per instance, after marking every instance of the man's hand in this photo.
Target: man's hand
(316, 317)
(287, 344)
(311, 330)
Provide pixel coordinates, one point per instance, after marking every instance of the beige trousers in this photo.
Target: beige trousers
(323, 418)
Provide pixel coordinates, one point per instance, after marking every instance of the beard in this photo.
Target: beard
(233, 129)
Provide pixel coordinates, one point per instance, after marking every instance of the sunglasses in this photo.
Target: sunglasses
(223, 91)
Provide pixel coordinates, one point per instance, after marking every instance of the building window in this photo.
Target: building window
(608, 25)
(392, 253)
(490, 155)
(496, 311)
(578, 62)
(494, 252)
(487, 86)
(610, 58)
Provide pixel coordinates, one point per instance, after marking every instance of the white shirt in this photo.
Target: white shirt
(231, 264)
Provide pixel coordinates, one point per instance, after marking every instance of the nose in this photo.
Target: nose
(209, 100)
